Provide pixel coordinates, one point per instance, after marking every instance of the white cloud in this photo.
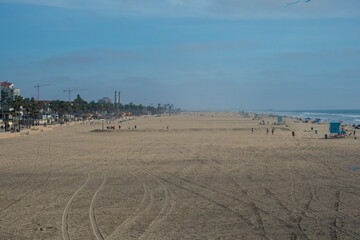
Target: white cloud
(252, 9)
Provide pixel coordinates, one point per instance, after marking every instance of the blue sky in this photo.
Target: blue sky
(195, 54)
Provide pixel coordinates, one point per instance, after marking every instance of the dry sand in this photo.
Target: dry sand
(207, 177)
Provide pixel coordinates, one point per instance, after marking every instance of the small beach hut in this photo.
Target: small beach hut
(335, 127)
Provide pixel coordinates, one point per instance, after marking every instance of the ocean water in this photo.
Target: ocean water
(346, 116)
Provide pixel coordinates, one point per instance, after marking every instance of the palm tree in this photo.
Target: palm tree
(17, 104)
(34, 109)
(171, 108)
(26, 106)
(79, 106)
(61, 108)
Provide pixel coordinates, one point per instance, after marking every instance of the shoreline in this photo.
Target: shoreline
(348, 117)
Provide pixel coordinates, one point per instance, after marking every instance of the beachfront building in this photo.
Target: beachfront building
(7, 92)
(8, 89)
(6, 119)
(105, 100)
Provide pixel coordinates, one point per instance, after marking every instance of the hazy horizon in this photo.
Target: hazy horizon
(197, 55)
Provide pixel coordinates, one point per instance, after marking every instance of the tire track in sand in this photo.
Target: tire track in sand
(313, 196)
(14, 201)
(28, 177)
(333, 233)
(251, 204)
(293, 227)
(213, 156)
(335, 230)
(64, 223)
(294, 220)
(214, 201)
(166, 209)
(93, 222)
(168, 205)
(303, 147)
(146, 201)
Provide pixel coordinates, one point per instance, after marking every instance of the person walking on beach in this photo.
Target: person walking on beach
(272, 131)
(293, 133)
(252, 129)
(267, 131)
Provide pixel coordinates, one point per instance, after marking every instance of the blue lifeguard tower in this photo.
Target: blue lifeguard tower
(335, 127)
(280, 119)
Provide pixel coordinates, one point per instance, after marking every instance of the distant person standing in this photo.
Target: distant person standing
(252, 129)
(272, 131)
(267, 131)
(293, 133)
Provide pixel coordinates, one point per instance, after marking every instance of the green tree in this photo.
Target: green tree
(16, 104)
(61, 108)
(79, 106)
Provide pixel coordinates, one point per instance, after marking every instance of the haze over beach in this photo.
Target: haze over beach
(179, 119)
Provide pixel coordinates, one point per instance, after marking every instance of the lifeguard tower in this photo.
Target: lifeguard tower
(256, 115)
(335, 127)
(280, 120)
(335, 130)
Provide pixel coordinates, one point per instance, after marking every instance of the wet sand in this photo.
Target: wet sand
(206, 177)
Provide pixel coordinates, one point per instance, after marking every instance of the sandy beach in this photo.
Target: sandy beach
(186, 176)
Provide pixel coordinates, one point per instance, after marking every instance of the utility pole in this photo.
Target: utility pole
(71, 90)
(38, 87)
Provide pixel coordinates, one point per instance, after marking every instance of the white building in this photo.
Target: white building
(105, 100)
(9, 89)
